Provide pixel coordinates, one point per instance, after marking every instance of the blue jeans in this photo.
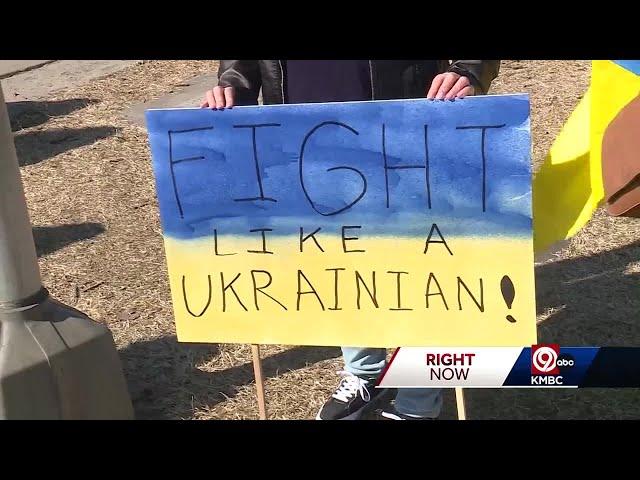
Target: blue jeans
(369, 362)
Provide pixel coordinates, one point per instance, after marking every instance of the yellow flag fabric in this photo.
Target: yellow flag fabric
(568, 187)
(562, 188)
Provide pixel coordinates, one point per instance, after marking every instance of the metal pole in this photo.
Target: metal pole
(55, 362)
(19, 273)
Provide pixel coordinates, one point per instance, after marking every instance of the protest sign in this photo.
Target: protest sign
(386, 223)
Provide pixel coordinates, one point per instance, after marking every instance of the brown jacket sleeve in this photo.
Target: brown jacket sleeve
(480, 72)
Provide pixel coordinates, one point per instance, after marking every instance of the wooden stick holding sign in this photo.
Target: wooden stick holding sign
(257, 370)
(462, 413)
(316, 224)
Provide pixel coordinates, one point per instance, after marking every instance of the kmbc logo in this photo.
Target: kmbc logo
(544, 359)
(547, 360)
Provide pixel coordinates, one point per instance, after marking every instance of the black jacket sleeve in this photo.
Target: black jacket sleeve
(480, 72)
(244, 77)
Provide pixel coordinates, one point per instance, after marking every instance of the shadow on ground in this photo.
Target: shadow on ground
(598, 302)
(35, 146)
(161, 373)
(28, 114)
(48, 239)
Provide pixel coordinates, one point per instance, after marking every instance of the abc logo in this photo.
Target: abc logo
(565, 360)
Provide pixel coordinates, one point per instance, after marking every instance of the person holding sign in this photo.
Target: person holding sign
(321, 81)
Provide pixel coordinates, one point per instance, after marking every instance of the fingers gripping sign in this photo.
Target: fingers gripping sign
(219, 98)
(450, 85)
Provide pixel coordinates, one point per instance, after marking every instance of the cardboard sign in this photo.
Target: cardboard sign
(382, 224)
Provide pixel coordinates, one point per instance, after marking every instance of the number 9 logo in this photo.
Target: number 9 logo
(544, 359)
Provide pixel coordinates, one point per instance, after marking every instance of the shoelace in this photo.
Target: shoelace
(350, 386)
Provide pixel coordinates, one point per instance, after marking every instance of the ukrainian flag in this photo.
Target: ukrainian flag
(569, 186)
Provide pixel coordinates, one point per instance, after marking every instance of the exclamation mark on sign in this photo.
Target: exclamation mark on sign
(508, 293)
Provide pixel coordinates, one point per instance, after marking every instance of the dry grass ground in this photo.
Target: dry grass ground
(90, 190)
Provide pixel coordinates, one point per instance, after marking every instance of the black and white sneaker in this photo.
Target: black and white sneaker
(353, 397)
(390, 413)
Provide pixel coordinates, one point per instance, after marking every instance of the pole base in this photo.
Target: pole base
(57, 363)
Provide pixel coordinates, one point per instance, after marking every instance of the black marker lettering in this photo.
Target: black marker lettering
(398, 167)
(186, 303)
(434, 227)
(398, 290)
(301, 170)
(439, 292)
(215, 244)
(312, 291)
(344, 239)
(257, 289)
(479, 305)
(335, 287)
(311, 235)
(264, 240)
(484, 129)
(373, 295)
(224, 290)
(426, 164)
(253, 128)
(172, 162)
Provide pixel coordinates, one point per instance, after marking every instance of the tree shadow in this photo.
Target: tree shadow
(164, 381)
(597, 303)
(26, 114)
(33, 147)
(48, 239)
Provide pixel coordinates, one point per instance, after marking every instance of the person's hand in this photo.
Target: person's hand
(218, 98)
(450, 85)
